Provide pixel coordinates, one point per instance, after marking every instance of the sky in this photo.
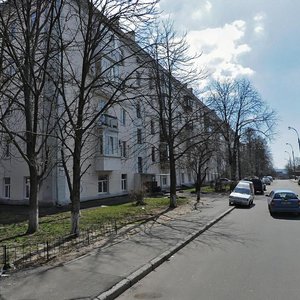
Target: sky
(257, 39)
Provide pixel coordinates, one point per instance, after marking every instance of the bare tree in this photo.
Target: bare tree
(255, 157)
(26, 105)
(97, 72)
(239, 106)
(171, 104)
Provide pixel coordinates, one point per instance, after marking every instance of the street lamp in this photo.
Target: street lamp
(290, 161)
(292, 154)
(297, 135)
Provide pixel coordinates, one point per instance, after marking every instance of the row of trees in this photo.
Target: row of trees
(57, 56)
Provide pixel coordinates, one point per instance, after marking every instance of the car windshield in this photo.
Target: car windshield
(285, 196)
(242, 190)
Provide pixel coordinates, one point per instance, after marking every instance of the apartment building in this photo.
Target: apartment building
(125, 149)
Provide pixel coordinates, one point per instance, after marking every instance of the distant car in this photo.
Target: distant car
(243, 194)
(270, 177)
(259, 186)
(299, 181)
(266, 180)
(283, 201)
(225, 180)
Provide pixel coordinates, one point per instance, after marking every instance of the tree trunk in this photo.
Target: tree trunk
(198, 195)
(75, 196)
(173, 198)
(75, 216)
(33, 217)
(233, 166)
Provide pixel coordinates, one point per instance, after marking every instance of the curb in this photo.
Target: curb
(140, 273)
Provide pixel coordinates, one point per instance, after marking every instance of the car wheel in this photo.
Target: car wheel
(230, 203)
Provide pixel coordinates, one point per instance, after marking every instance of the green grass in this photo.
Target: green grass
(58, 225)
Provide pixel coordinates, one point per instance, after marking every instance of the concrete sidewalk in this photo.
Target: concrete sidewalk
(104, 273)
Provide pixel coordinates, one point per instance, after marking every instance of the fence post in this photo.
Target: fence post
(116, 227)
(47, 246)
(6, 265)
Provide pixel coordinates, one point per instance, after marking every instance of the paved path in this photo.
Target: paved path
(106, 272)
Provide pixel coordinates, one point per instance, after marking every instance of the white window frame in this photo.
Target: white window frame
(111, 144)
(123, 116)
(103, 184)
(124, 182)
(6, 187)
(123, 146)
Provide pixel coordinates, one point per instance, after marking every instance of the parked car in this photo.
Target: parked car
(283, 201)
(299, 181)
(225, 180)
(243, 194)
(259, 187)
(266, 180)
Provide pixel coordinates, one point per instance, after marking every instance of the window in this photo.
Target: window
(152, 129)
(140, 164)
(138, 78)
(111, 145)
(12, 30)
(179, 117)
(164, 180)
(182, 177)
(151, 83)
(123, 116)
(123, 148)
(102, 184)
(138, 110)
(139, 136)
(6, 187)
(189, 177)
(32, 19)
(153, 154)
(27, 187)
(124, 182)
(101, 105)
(7, 148)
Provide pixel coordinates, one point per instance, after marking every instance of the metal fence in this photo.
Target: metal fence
(23, 255)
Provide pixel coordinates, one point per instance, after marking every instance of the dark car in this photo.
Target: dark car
(259, 187)
(283, 201)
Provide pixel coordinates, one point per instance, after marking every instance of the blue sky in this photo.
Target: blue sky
(259, 39)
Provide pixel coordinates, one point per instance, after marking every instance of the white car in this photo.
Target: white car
(243, 194)
(266, 180)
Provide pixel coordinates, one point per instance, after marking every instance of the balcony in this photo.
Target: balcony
(106, 120)
(107, 163)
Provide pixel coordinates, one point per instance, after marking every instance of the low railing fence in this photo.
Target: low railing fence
(19, 256)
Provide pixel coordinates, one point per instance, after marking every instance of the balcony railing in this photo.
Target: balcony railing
(108, 121)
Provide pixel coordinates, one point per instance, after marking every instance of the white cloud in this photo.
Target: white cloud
(259, 19)
(201, 11)
(208, 6)
(221, 48)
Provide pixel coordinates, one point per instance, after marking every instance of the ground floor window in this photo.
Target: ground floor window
(27, 187)
(103, 184)
(6, 187)
(164, 180)
(140, 164)
(182, 177)
(124, 182)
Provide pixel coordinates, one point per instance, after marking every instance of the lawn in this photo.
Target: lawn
(56, 225)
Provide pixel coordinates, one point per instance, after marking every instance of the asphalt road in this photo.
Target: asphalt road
(247, 255)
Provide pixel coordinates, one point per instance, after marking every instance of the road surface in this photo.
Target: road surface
(247, 255)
